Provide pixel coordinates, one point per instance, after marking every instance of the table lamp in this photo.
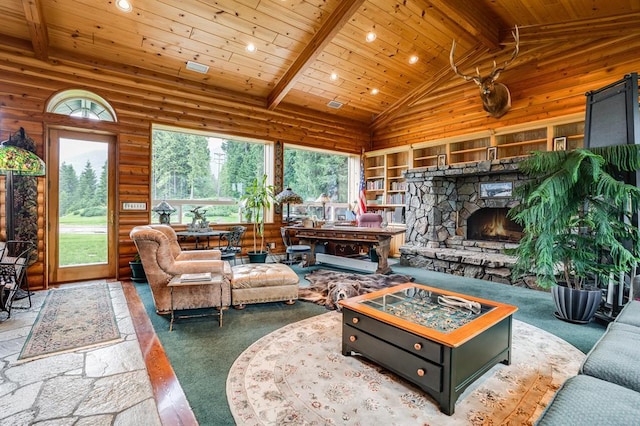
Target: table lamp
(19, 161)
(324, 199)
(289, 197)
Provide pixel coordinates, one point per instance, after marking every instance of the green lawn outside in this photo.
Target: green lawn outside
(79, 249)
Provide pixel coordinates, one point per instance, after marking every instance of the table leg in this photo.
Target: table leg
(172, 317)
(383, 249)
(311, 257)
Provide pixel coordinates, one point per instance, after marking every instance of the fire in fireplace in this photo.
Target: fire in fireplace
(492, 224)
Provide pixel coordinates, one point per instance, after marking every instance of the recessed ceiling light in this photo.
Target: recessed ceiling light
(124, 5)
(371, 36)
(251, 48)
(375, 91)
(334, 76)
(413, 59)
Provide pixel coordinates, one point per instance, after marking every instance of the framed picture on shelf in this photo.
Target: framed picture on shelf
(496, 189)
(560, 144)
(442, 159)
(492, 153)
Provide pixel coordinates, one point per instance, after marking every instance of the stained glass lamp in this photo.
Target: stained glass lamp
(289, 197)
(19, 161)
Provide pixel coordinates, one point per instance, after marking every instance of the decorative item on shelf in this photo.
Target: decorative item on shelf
(560, 144)
(199, 222)
(324, 199)
(164, 210)
(442, 160)
(289, 197)
(492, 153)
(16, 161)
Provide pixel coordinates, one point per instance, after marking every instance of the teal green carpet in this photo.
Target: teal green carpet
(202, 353)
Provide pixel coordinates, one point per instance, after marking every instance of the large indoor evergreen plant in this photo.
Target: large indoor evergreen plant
(576, 214)
(256, 200)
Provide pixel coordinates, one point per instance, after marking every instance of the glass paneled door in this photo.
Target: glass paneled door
(81, 233)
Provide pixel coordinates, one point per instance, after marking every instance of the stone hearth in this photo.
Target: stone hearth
(441, 199)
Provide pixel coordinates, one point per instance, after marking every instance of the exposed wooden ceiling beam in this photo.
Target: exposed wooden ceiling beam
(37, 28)
(473, 19)
(324, 36)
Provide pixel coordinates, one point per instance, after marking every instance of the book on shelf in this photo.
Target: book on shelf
(190, 278)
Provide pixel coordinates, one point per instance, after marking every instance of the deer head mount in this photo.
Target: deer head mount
(496, 99)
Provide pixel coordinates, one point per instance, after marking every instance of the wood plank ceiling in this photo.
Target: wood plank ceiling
(301, 43)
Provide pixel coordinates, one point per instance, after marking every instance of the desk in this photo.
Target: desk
(176, 283)
(183, 235)
(381, 237)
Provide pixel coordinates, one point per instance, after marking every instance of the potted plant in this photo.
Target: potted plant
(576, 214)
(256, 200)
(137, 271)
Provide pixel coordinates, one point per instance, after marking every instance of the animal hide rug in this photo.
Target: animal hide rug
(328, 287)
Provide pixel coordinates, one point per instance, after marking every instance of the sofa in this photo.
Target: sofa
(163, 259)
(607, 389)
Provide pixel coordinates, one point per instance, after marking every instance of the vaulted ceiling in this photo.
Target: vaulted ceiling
(299, 44)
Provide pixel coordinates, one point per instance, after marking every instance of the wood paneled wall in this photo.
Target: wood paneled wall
(541, 89)
(26, 84)
(544, 85)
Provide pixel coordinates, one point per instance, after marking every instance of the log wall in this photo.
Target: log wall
(543, 86)
(26, 85)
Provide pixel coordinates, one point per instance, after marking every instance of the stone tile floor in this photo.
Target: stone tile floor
(105, 385)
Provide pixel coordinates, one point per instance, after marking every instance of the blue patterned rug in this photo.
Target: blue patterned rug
(70, 319)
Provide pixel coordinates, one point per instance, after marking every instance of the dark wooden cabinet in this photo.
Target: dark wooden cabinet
(442, 369)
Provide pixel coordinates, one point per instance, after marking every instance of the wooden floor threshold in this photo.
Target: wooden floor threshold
(173, 407)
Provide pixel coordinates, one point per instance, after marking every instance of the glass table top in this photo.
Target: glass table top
(437, 311)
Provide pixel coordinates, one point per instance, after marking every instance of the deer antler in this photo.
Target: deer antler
(496, 71)
(453, 64)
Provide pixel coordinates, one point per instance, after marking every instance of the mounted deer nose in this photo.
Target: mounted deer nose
(496, 99)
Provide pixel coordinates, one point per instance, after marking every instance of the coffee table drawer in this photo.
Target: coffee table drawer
(408, 341)
(412, 367)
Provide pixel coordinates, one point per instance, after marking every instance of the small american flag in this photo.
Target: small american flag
(362, 194)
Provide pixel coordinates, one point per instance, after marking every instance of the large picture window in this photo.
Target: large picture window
(192, 170)
(312, 174)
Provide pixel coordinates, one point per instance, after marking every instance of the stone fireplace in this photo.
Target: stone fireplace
(457, 219)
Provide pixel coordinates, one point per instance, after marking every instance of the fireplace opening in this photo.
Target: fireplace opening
(492, 224)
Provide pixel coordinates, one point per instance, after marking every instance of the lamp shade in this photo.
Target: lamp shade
(289, 197)
(324, 199)
(20, 161)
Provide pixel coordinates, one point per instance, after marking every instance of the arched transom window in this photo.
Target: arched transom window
(81, 103)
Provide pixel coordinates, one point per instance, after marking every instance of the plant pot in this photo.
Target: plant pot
(575, 306)
(137, 272)
(257, 256)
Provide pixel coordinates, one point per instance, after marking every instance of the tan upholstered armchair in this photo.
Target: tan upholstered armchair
(163, 259)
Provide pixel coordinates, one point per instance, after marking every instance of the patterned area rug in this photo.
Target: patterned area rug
(298, 375)
(72, 318)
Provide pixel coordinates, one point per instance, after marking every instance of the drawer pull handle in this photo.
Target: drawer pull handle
(421, 372)
(355, 320)
(417, 346)
(352, 338)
